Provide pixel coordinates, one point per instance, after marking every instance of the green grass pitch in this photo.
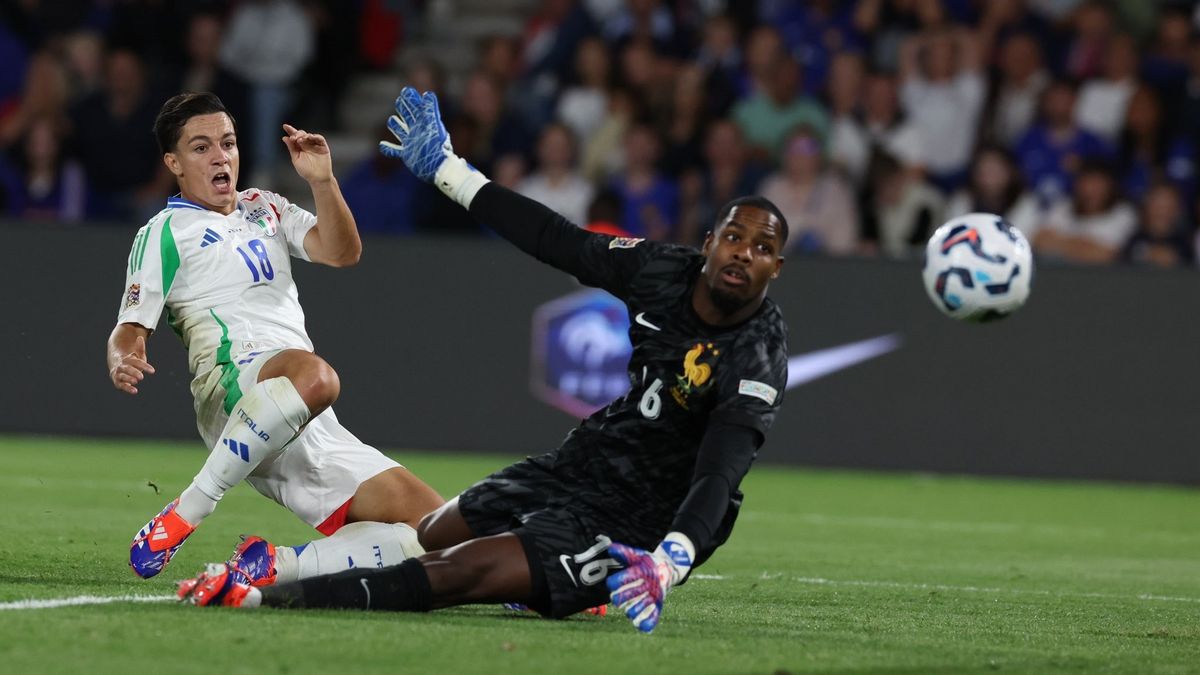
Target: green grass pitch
(826, 572)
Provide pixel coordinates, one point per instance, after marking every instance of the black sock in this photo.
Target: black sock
(400, 588)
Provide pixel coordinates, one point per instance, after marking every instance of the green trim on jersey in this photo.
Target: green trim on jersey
(229, 371)
(170, 257)
(139, 248)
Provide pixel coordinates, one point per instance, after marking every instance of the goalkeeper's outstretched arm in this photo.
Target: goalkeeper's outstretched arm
(424, 146)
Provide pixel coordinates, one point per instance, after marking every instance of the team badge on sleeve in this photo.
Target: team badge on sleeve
(133, 296)
(625, 242)
(758, 390)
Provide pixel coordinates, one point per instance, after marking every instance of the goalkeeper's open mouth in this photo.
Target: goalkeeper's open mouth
(223, 182)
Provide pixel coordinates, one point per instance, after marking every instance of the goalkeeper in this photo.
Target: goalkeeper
(639, 493)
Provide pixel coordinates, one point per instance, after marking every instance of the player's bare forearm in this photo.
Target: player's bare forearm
(126, 356)
(334, 241)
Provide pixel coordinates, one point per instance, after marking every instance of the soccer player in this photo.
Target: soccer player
(218, 260)
(642, 491)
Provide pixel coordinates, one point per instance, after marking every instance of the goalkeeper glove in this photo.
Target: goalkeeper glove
(423, 144)
(639, 589)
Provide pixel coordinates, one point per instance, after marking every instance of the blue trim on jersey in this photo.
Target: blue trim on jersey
(178, 202)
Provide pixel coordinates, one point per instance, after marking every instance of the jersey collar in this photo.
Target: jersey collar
(178, 202)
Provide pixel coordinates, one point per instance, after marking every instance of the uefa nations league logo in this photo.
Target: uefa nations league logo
(580, 352)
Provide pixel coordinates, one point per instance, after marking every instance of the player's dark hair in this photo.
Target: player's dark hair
(759, 203)
(176, 112)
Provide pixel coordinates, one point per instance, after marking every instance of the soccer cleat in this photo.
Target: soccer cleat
(157, 542)
(217, 585)
(254, 560)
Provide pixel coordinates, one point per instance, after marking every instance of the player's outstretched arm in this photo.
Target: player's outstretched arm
(423, 144)
(127, 363)
(334, 240)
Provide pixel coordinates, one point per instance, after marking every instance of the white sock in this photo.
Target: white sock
(363, 544)
(263, 421)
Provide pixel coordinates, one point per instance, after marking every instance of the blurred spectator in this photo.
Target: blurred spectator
(1184, 114)
(583, 105)
(891, 23)
(813, 32)
(602, 153)
(1102, 101)
(1093, 226)
(1165, 63)
(202, 71)
(996, 187)
(498, 132)
(767, 117)
(847, 145)
(322, 83)
(817, 202)
(1162, 239)
(684, 129)
(1149, 148)
(52, 186)
(500, 59)
(721, 60)
(645, 20)
(383, 194)
(267, 43)
(905, 209)
(1022, 79)
(1001, 20)
(44, 97)
(1050, 153)
(509, 170)
(1092, 27)
(14, 54)
(727, 173)
(83, 56)
(882, 127)
(764, 51)
(651, 200)
(603, 214)
(644, 73)
(942, 88)
(111, 137)
(556, 182)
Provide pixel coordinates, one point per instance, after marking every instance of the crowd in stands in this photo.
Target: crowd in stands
(868, 122)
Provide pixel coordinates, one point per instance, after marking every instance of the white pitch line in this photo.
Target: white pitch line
(819, 581)
(81, 600)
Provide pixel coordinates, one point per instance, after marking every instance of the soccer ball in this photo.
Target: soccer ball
(978, 268)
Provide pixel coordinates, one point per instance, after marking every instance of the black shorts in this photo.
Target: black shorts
(564, 525)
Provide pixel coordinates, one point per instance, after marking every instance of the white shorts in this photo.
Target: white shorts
(314, 475)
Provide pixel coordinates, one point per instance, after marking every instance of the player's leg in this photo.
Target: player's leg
(487, 570)
(267, 403)
(332, 480)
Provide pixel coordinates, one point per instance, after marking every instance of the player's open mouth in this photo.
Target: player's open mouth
(222, 182)
(734, 276)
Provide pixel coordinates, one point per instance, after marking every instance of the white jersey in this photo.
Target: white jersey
(225, 281)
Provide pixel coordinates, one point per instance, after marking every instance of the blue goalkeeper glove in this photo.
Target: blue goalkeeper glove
(639, 589)
(423, 144)
(422, 140)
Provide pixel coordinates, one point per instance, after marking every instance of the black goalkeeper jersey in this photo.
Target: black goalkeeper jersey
(683, 373)
(638, 456)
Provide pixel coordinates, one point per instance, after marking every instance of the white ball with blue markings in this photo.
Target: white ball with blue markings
(978, 267)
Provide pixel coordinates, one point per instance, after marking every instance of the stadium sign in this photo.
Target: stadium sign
(580, 352)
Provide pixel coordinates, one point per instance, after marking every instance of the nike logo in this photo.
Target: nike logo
(565, 560)
(641, 318)
(810, 366)
(368, 590)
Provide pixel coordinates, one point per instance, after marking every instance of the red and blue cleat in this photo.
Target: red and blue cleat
(218, 585)
(157, 542)
(254, 560)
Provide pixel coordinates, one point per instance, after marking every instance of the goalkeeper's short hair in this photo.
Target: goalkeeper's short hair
(757, 202)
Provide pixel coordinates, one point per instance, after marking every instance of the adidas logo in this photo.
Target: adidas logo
(240, 449)
(160, 533)
(210, 237)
